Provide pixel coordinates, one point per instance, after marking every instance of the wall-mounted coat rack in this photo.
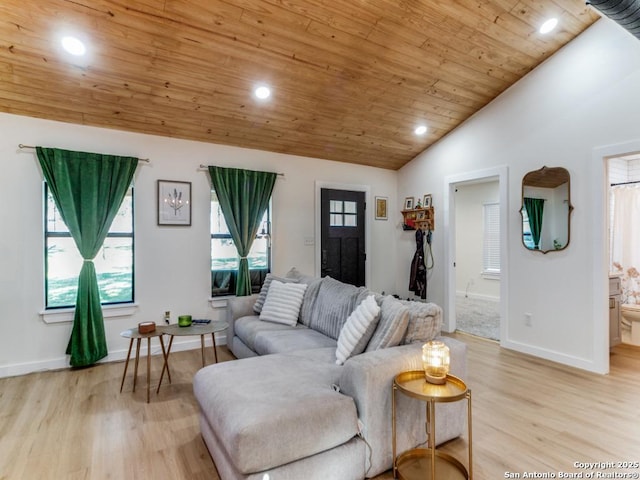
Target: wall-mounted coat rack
(419, 218)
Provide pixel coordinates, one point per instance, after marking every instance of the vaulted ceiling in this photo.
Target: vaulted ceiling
(351, 79)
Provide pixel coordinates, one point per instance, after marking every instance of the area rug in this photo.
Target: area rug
(478, 317)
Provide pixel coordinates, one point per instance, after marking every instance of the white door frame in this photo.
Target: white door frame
(501, 173)
(599, 210)
(367, 223)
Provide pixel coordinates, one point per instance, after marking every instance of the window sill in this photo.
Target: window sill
(220, 302)
(63, 315)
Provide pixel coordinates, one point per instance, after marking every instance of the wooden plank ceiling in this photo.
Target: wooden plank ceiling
(350, 78)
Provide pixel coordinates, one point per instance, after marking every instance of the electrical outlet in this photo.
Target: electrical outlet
(528, 320)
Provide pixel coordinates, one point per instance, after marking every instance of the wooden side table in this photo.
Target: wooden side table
(201, 329)
(422, 463)
(133, 334)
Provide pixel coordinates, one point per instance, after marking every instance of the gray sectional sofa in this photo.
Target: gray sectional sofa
(287, 410)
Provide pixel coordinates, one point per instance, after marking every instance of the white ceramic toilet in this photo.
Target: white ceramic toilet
(631, 317)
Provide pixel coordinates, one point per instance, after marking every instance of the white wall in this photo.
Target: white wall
(469, 201)
(172, 263)
(584, 97)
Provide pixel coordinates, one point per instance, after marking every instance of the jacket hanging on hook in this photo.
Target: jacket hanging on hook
(418, 277)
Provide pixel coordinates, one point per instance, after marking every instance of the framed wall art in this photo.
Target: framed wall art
(427, 201)
(408, 203)
(174, 203)
(381, 208)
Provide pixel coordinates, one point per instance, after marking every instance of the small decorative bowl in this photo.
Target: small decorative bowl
(184, 320)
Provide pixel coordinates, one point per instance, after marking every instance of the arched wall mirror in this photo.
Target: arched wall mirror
(546, 209)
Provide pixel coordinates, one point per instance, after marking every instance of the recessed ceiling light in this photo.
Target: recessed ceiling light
(548, 25)
(262, 92)
(74, 46)
(420, 130)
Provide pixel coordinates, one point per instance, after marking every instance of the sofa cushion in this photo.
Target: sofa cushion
(425, 322)
(358, 329)
(309, 301)
(274, 409)
(283, 341)
(333, 305)
(283, 303)
(257, 307)
(247, 328)
(394, 318)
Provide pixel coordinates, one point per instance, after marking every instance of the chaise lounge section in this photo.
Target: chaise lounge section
(288, 409)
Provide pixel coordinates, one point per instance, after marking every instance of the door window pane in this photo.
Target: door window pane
(343, 214)
(350, 207)
(350, 221)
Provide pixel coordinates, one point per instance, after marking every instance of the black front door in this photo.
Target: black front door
(342, 238)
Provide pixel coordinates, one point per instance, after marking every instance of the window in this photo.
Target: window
(343, 214)
(491, 240)
(114, 262)
(224, 255)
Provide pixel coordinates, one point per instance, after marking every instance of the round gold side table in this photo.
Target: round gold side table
(422, 463)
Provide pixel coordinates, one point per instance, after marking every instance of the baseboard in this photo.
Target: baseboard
(478, 296)
(554, 356)
(192, 343)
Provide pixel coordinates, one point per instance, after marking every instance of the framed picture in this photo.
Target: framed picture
(420, 215)
(427, 201)
(381, 208)
(408, 203)
(174, 203)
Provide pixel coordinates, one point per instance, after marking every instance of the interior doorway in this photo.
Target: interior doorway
(466, 190)
(477, 269)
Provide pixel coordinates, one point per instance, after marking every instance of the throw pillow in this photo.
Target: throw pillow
(283, 301)
(301, 277)
(394, 318)
(358, 329)
(262, 296)
(425, 322)
(332, 306)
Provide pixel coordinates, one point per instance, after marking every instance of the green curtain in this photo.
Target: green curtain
(244, 196)
(88, 189)
(535, 207)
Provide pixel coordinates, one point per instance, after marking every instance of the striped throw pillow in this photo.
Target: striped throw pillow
(257, 307)
(358, 329)
(283, 302)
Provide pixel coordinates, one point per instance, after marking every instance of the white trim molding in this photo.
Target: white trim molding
(450, 181)
(65, 315)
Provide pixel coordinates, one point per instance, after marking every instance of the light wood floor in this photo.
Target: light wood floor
(528, 415)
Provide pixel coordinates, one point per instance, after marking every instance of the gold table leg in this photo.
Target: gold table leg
(470, 436)
(431, 414)
(393, 430)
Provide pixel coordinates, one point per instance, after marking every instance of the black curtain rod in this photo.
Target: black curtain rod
(624, 183)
